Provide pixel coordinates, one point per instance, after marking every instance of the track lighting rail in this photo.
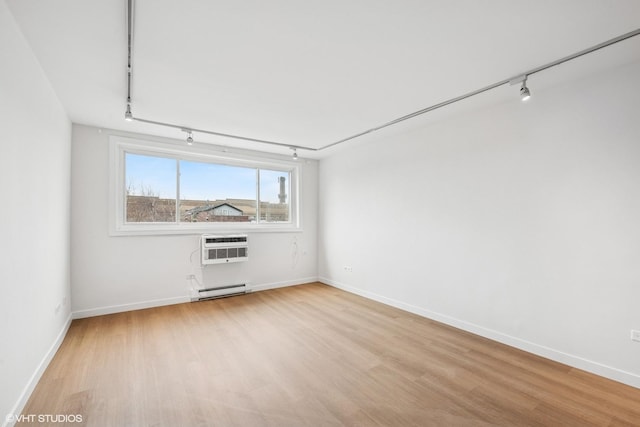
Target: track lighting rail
(520, 78)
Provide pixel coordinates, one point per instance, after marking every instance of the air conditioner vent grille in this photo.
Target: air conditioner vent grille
(229, 239)
(227, 253)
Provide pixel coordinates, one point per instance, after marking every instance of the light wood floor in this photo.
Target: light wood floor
(310, 355)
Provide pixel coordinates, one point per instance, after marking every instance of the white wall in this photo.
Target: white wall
(521, 222)
(34, 219)
(116, 273)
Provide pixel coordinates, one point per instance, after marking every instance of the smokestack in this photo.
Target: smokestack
(283, 194)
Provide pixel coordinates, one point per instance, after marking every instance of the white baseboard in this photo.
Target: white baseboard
(99, 311)
(111, 309)
(37, 374)
(540, 350)
(274, 285)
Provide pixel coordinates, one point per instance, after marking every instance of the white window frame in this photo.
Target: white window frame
(119, 146)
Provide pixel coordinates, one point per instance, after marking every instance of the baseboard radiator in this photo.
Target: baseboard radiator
(220, 292)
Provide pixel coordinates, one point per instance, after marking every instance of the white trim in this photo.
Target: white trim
(118, 145)
(568, 359)
(222, 228)
(112, 309)
(37, 374)
(286, 283)
(140, 305)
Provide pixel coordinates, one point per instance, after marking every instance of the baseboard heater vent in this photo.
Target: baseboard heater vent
(220, 292)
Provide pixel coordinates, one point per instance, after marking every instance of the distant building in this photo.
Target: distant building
(223, 212)
(282, 196)
(154, 209)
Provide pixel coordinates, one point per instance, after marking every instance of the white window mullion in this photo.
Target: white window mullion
(258, 196)
(177, 191)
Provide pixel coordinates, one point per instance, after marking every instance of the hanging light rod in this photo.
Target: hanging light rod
(520, 78)
(128, 116)
(226, 135)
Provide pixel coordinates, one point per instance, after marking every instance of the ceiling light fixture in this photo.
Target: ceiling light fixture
(127, 114)
(524, 92)
(189, 136)
(295, 153)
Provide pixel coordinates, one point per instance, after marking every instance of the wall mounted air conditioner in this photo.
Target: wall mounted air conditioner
(220, 249)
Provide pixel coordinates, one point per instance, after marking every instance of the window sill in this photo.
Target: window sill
(172, 229)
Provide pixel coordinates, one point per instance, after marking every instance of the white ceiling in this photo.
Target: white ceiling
(304, 73)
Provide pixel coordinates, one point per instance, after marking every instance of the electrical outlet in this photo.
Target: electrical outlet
(348, 269)
(635, 335)
(191, 276)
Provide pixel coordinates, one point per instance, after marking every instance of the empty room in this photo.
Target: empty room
(336, 213)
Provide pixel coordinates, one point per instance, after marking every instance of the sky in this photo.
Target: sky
(148, 175)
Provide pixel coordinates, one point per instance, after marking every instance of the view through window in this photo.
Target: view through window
(171, 190)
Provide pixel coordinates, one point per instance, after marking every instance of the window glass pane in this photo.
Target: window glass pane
(211, 192)
(150, 188)
(274, 195)
(162, 190)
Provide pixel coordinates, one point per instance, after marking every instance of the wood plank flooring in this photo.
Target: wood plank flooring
(310, 355)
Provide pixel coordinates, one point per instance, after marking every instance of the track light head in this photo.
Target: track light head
(128, 116)
(524, 92)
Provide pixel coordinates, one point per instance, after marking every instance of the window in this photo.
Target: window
(274, 190)
(150, 189)
(159, 188)
(211, 192)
